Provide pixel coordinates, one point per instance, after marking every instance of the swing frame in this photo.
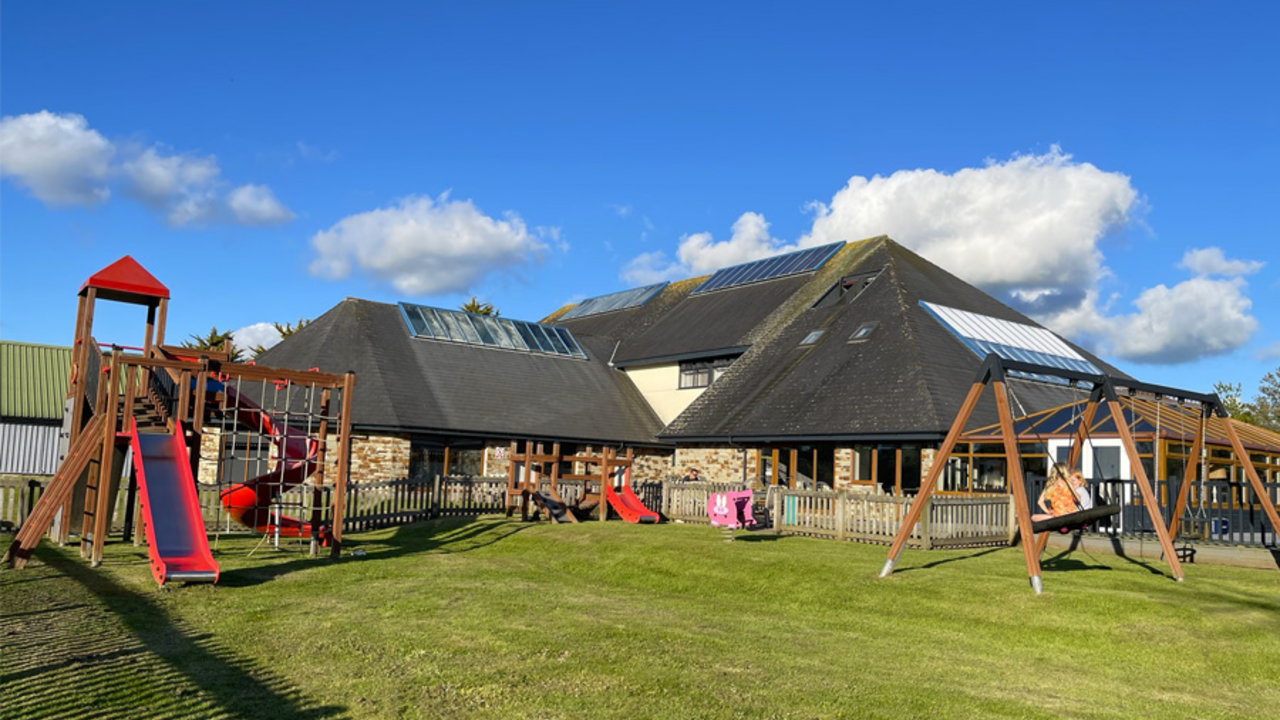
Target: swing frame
(1104, 392)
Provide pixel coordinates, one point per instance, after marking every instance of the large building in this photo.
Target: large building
(836, 366)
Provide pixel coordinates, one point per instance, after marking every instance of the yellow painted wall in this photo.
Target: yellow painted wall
(659, 384)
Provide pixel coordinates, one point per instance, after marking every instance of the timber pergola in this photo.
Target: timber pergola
(1104, 390)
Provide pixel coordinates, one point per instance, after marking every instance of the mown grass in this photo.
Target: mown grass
(489, 618)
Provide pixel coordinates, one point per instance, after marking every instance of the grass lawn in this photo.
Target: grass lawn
(490, 618)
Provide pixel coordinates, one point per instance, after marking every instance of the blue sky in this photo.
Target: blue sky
(1108, 168)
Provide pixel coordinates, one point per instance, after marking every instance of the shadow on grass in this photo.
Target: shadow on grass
(944, 561)
(451, 535)
(122, 655)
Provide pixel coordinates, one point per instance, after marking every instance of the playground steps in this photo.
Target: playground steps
(57, 494)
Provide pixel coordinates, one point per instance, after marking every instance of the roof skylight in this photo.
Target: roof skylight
(1010, 340)
(794, 263)
(490, 331)
(634, 297)
(812, 337)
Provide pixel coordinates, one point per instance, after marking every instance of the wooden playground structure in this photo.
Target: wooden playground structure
(1104, 395)
(535, 478)
(171, 412)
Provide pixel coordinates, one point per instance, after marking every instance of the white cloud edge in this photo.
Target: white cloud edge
(62, 161)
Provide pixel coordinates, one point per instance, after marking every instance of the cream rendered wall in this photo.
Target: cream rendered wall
(660, 386)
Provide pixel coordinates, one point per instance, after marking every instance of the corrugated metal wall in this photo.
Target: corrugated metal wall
(27, 449)
(33, 380)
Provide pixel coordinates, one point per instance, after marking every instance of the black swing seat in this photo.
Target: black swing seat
(1075, 520)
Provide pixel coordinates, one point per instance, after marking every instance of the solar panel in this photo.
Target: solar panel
(984, 335)
(769, 268)
(490, 331)
(634, 297)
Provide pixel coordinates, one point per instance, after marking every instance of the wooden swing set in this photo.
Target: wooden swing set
(1103, 393)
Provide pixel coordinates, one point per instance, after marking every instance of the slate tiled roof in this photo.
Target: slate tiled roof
(414, 385)
(907, 380)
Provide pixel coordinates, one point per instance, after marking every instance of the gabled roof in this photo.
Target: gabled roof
(906, 380)
(126, 281)
(428, 386)
(33, 380)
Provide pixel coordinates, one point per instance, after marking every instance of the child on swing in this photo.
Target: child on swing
(1059, 495)
(1084, 500)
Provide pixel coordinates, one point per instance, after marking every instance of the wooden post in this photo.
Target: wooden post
(102, 494)
(344, 462)
(1188, 478)
(926, 488)
(606, 455)
(511, 479)
(1251, 472)
(317, 491)
(1144, 485)
(842, 512)
(1013, 463)
(163, 311)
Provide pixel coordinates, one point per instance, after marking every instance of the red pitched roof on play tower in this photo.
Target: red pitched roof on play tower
(126, 276)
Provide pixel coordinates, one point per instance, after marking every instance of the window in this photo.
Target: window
(864, 331)
(849, 284)
(812, 338)
(701, 373)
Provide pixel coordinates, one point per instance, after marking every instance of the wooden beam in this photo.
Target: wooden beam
(1188, 478)
(1082, 428)
(1144, 486)
(344, 463)
(1259, 490)
(926, 488)
(1013, 474)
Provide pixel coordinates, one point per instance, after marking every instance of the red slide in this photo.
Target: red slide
(249, 503)
(626, 504)
(176, 539)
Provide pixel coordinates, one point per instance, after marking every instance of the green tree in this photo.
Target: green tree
(215, 341)
(475, 307)
(288, 329)
(1266, 406)
(285, 331)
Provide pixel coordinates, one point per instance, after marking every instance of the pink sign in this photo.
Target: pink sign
(730, 509)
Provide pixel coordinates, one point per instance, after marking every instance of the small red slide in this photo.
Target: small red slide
(626, 504)
(176, 539)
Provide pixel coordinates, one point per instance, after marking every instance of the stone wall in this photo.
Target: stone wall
(718, 463)
(653, 465)
(376, 458)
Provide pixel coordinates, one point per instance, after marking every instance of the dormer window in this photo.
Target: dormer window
(854, 284)
(701, 373)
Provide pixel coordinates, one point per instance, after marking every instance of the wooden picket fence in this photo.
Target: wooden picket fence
(950, 521)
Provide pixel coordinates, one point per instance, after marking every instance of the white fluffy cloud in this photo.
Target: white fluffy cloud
(700, 253)
(58, 158)
(251, 336)
(425, 246)
(1028, 230)
(184, 187)
(1211, 261)
(257, 205)
(1200, 317)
